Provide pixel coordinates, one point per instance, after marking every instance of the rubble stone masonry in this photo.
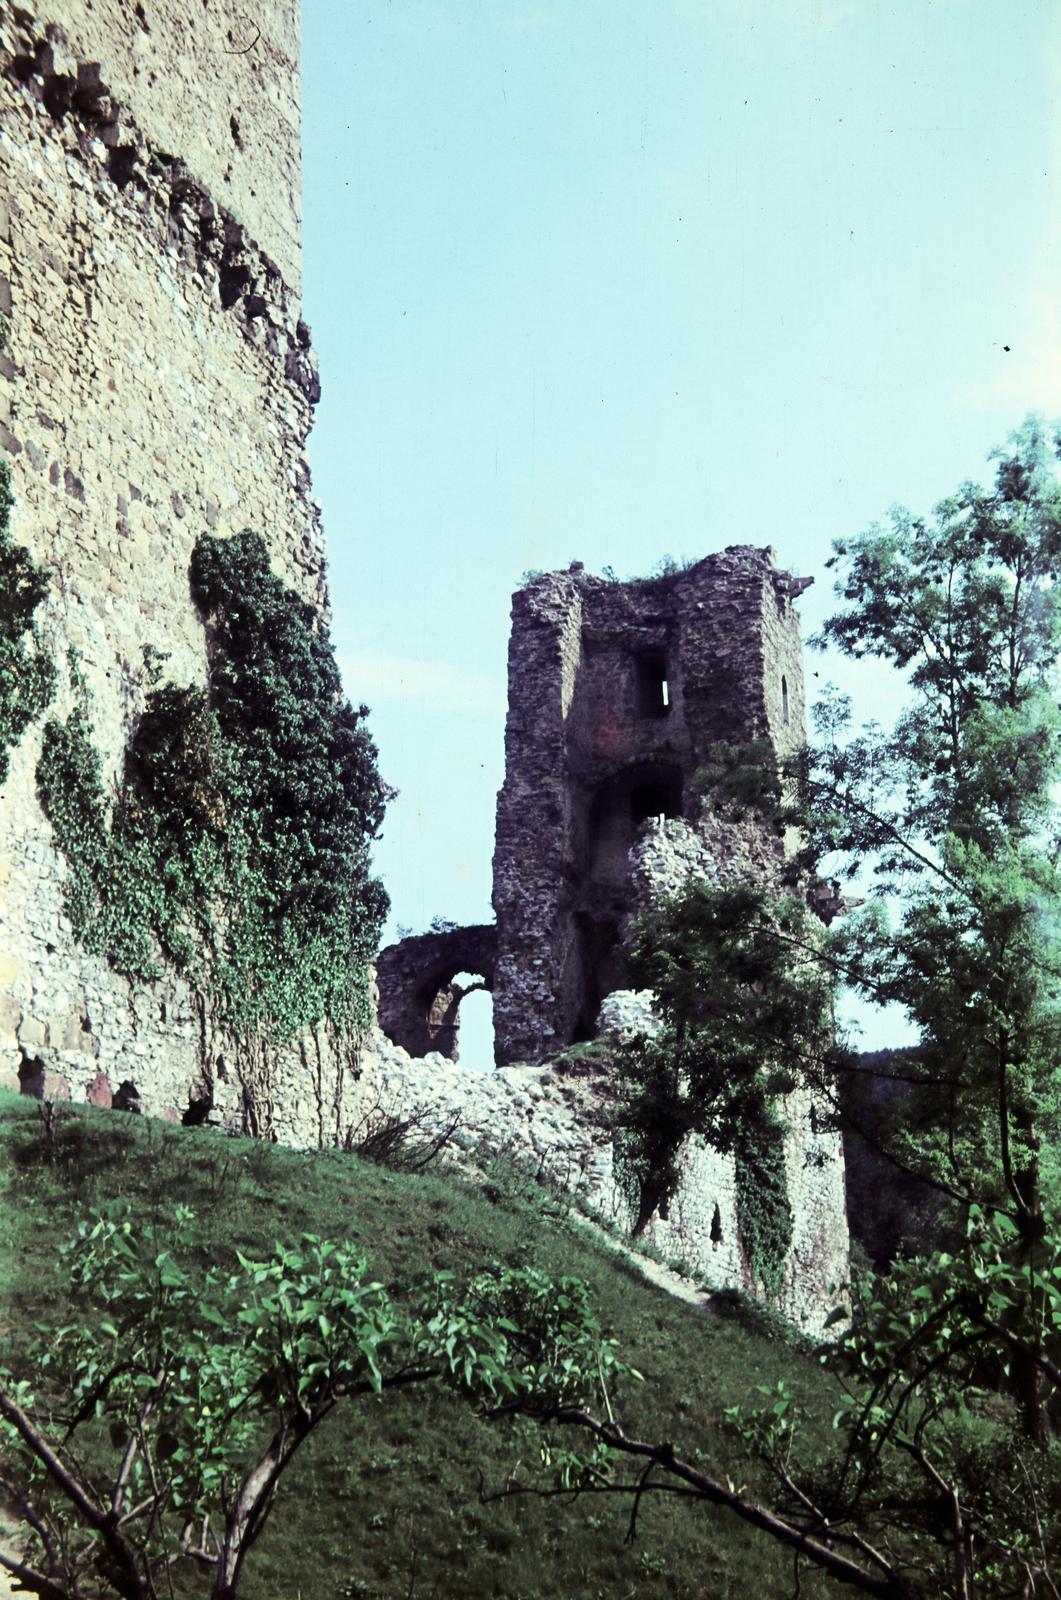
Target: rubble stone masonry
(156, 383)
(616, 690)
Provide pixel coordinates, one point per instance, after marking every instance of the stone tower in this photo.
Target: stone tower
(156, 383)
(616, 691)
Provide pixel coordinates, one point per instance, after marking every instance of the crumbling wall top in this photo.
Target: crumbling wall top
(214, 83)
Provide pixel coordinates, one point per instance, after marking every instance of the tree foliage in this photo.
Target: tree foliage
(157, 1427)
(946, 1476)
(743, 1015)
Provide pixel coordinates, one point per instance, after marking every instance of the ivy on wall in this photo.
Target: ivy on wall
(142, 876)
(237, 847)
(764, 1210)
(741, 1013)
(27, 672)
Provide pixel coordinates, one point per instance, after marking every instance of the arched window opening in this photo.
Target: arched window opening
(448, 1009)
(784, 700)
(476, 1023)
(716, 1226)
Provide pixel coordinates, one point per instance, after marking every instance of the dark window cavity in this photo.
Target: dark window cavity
(653, 690)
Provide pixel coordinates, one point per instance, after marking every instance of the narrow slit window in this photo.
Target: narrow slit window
(784, 700)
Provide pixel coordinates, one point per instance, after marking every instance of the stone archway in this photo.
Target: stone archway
(419, 991)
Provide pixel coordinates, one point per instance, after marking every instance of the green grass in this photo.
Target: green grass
(384, 1503)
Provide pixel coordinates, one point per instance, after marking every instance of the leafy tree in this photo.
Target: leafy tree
(954, 815)
(739, 1016)
(946, 1475)
(157, 1427)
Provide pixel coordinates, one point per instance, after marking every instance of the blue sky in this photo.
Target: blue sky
(609, 281)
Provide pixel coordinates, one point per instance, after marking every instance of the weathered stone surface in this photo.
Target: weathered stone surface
(153, 271)
(158, 381)
(99, 1091)
(616, 693)
(553, 1118)
(626, 1013)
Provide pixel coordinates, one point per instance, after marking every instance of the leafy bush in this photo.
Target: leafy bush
(158, 1425)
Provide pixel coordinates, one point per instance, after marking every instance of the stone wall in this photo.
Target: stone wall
(419, 1001)
(216, 84)
(156, 384)
(553, 1120)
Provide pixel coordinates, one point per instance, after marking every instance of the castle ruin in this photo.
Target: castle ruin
(157, 382)
(616, 693)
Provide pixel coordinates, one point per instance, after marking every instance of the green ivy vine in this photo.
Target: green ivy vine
(237, 847)
(741, 1014)
(764, 1210)
(27, 671)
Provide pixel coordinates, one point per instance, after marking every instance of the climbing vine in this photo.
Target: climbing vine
(741, 1015)
(764, 1210)
(142, 874)
(237, 847)
(27, 672)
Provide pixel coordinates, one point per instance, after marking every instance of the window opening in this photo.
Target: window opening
(653, 688)
(784, 700)
(476, 1018)
(716, 1226)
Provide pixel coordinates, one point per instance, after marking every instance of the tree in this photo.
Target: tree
(160, 1424)
(946, 1470)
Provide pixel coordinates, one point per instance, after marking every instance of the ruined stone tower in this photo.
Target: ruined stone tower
(616, 693)
(156, 383)
(616, 690)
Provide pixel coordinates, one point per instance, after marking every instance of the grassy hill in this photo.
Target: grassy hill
(385, 1500)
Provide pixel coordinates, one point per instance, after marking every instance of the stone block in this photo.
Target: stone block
(32, 1032)
(99, 1091)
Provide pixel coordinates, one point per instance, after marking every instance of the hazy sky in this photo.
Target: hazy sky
(612, 279)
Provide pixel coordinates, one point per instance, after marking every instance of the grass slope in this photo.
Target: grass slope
(384, 1503)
